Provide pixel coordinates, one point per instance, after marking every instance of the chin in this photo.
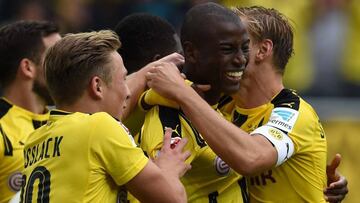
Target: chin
(231, 89)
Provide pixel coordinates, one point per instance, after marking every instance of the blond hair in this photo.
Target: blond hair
(74, 60)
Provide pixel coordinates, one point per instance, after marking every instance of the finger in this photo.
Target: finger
(149, 75)
(175, 58)
(183, 75)
(186, 155)
(181, 144)
(334, 164)
(185, 169)
(201, 88)
(167, 137)
(333, 192)
(188, 167)
(342, 182)
(335, 198)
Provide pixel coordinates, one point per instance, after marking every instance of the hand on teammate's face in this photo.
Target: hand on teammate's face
(171, 158)
(165, 78)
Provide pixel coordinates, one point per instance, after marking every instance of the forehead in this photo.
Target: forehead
(226, 30)
(117, 63)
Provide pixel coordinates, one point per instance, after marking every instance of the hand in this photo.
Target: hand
(171, 159)
(165, 78)
(337, 184)
(174, 58)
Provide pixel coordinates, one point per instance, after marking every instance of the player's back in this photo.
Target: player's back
(73, 159)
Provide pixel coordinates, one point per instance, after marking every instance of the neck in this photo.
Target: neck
(79, 106)
(212, 96)
(23, 96)
(259, 88)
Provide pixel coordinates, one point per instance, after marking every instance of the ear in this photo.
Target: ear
(264, 51)
(27, 68)
(156, 57)
(96, 88)
(190, 52)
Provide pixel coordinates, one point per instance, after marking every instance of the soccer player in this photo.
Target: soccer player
(216, 53)
(83, 153)
(285, 154)
(25, 96)
(144, 38)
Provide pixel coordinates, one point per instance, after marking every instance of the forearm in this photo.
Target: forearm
(152, 184)
(237, 148)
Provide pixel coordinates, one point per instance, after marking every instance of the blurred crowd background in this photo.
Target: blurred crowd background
(325, 68)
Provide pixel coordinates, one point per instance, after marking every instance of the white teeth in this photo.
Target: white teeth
(235, 74)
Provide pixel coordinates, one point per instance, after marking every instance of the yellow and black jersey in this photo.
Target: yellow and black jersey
(210, 179)
(78, 157)
(294, 129)
(16, 124)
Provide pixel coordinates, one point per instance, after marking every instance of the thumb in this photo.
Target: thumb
(167, 137)
(331, 169)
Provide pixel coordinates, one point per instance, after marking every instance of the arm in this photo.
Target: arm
(244, 153)
(161, 178)
(150, 185)
(337, 184)
(137, 82)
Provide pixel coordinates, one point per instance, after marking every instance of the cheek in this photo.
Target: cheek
(123, 92)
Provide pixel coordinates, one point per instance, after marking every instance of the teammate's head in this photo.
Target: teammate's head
(215, 44)
(269, 24)
(145, 38)
(86, 65)
(22, 48)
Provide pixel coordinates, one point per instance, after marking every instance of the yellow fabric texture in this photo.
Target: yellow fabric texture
(16, 124)
(302, 177)
(86, 158)
(210, 178)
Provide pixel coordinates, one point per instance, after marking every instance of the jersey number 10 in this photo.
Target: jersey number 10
(41, 174)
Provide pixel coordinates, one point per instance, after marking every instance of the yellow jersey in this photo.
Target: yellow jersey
(16, 124)
(301, 175)
(77, 157)
(210, 179)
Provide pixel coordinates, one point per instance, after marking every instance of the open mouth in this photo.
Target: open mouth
(234, 75)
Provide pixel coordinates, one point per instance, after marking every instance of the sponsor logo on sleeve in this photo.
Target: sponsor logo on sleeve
(221, 167)
(277, 134)
(283, 118)
(15, 181)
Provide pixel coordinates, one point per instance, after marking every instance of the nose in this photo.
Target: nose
(240, 59)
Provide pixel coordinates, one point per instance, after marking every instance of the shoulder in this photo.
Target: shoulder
(105, 124)
(287, 98)
(4, 107)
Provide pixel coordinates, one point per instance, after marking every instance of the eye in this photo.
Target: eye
(227, 49)
(245, 47)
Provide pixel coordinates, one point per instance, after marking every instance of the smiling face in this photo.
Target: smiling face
(221, 56)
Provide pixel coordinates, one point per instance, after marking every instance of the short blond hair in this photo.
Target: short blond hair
(268, 23)
(75, 59)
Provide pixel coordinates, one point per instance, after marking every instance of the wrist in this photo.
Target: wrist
(183, 96)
